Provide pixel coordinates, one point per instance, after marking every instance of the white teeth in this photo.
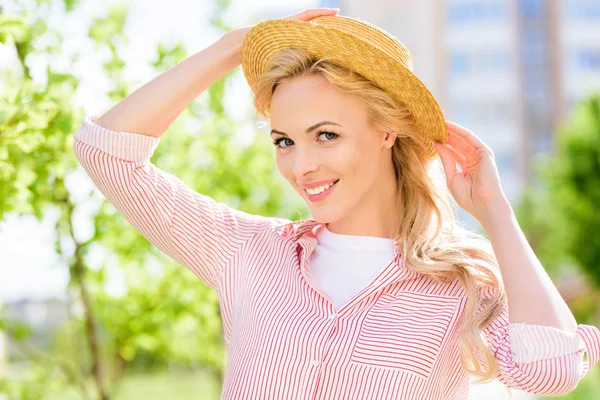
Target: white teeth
(319, 189)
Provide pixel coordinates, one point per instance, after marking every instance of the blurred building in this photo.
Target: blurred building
(38, 313)
(510, 70)
(44, 316)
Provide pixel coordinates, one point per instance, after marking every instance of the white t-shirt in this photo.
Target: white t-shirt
(342, 265)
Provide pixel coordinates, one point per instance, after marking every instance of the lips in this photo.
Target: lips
(323, 194)
(314, 185)
(330, 184)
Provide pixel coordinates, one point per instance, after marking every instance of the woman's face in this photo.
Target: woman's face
(323, 135)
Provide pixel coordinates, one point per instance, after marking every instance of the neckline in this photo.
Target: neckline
(339, 241)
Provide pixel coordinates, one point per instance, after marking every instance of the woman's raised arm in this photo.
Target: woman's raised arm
(192, 228)
(153, 107)
(115, 151)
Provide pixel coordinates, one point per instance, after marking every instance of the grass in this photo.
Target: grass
(160, 386)
(180, 386)
(201, 385)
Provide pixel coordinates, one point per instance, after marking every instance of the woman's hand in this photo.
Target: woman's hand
(236, 36)
(234, 39)
(477, 187)
(311, 13)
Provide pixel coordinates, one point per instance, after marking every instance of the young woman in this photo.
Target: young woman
(383, 294)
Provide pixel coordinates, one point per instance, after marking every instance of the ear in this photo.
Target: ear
(389, 139)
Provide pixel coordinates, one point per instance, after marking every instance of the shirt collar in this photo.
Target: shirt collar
(303, 234)
(296, 229)
(305, 228)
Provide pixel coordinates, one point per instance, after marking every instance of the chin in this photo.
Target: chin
(324, 217)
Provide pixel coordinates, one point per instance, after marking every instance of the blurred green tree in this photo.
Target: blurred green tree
(166, 316)
(560, 216)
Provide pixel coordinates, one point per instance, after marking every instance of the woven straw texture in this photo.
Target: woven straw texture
(359, 46)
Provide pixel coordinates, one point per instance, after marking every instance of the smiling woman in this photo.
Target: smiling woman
(389, 190)
(353, 152)
(383, 293)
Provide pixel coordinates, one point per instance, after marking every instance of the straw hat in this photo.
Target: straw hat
(359, 46)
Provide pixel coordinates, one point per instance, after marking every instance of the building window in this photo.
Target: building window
(532, 8)
(588, 59)
(475, 11)
(480, 111)
(534, 81)
(459, 63)
(492, 61)
(534, 55)
(583, 9)
(478, 61)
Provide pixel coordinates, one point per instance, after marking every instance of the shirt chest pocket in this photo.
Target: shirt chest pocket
(405, 332)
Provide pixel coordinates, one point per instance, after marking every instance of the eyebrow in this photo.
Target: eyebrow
(309, 129)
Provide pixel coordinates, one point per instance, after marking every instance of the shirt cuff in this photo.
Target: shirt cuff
(538, 342)
(128, 146)
(591, 337)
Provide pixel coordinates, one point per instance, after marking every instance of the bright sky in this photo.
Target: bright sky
(39, 273)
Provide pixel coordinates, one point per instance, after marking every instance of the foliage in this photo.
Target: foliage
(165, 316)
(560, 216)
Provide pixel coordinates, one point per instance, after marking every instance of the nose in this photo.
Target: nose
(305, 162)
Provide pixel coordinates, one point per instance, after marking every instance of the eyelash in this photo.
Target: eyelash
(276, 142)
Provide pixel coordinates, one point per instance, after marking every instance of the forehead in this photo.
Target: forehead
(309, 99)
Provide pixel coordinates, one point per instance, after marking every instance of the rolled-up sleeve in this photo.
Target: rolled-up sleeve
(541, 359)
(192, 228)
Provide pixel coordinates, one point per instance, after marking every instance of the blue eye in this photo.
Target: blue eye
(276, 142)
(333, 137)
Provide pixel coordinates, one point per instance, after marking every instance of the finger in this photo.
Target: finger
(459, 143)
(309, 14)
(467, 135)
(448, 162)
(318, 11)
(457, 155)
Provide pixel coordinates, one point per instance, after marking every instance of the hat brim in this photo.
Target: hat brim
(266, 39)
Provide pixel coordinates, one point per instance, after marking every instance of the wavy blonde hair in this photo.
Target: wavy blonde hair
(445, 253)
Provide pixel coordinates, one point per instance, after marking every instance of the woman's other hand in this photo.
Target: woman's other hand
(236, 37)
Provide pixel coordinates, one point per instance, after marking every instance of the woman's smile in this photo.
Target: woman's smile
(318, 194)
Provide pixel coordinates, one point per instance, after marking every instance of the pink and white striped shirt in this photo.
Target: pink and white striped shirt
(394, 339)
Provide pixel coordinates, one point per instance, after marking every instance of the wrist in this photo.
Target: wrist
(496, 210)
(232, 43)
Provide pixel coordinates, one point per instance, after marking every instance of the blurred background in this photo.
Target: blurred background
(89, 309)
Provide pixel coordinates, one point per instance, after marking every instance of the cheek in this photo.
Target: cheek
(366, 164)
(351, 160)
(345, 160)
(285, 168)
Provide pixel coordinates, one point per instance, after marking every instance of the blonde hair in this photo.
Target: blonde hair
(449, 251)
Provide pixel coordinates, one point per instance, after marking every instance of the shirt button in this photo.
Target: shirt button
(315, 363)
(332, 315)
(377, 283)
